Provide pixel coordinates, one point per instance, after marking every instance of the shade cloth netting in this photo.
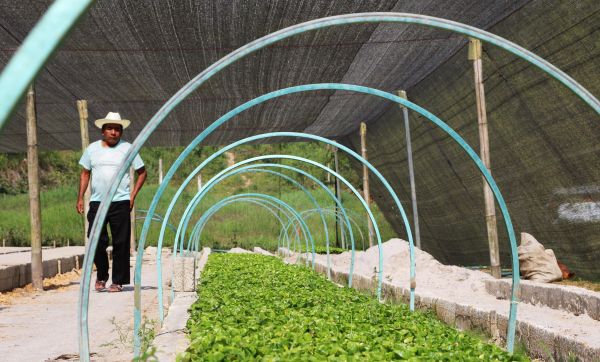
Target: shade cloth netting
(131, 57)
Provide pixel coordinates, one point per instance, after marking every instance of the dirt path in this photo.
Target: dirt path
(231, 161)
(42, 326)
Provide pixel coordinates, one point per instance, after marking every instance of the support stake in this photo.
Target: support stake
(37, 269)
(132, 213)
(85, 141)
(366, 192)
(490, 207)
(338, 195)
(160, 171)
(411, 171)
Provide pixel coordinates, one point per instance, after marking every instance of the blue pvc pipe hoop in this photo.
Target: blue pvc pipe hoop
(217, 178)
(191, 147)
(181, 230)
(67, 18)
(241, 167)
(24, 77)
(431, 117)
(137, 312)
(195, 238)
(266, 199)
(301, 187)
(349, 223)
(293, 182)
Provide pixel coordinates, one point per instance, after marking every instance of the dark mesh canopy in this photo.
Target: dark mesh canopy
(132, 56)
(544, 144)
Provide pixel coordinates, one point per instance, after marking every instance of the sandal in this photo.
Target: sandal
(115, 288)
(100, 285)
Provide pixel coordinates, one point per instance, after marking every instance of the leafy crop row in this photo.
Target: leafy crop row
(253, 307)
(332, 250)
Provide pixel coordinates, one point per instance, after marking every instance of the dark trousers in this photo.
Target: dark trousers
(120, 229)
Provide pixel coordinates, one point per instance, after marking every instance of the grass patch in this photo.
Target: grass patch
(581, 283)
(332, 250)
(253, 307)
(237, 225)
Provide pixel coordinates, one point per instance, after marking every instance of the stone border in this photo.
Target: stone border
(172, 338)
(16, 276)
(567, 298)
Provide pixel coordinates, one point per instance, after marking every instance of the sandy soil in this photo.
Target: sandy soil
(239, 251)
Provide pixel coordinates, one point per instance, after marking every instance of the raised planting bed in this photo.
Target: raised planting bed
(255, 307)
(332, 250)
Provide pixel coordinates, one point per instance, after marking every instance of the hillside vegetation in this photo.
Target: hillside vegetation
(241, 224)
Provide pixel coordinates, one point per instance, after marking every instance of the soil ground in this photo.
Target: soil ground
(42, 326)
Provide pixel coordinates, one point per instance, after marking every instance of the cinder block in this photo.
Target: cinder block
(184, 273)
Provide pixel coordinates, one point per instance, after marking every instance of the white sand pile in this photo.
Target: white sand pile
(433, 277)
(259, 250)
(239, 251)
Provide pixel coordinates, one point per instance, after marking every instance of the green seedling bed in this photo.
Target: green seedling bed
(332, 250)
(253, 307)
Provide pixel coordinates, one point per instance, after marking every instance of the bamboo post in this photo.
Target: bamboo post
(37, 269)
(160, 171)
(366, 191)
(411, 171)
(132, 213)
(490, 208)
(338, 195)
(85, 141)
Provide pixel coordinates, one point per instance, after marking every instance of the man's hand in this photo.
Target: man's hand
(142, 174)
(80, 206)
(84, 179)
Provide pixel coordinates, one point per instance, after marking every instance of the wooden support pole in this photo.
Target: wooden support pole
(338, 195)
(85, 141)
(160, 171)
(366, 192)
(37, 268)
(199, 181)
(411, 172)
(132, 245)
(490, 207)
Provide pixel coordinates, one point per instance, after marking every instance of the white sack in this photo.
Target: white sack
(535, 262)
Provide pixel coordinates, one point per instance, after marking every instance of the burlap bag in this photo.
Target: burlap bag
(536, 263)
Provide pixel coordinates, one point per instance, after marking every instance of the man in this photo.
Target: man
(102, 159)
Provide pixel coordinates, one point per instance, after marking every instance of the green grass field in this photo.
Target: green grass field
(241, 224)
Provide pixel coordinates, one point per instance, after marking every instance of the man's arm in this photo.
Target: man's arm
(142, 174)
(84, 179)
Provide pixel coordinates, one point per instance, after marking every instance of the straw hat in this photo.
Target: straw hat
(114, 118)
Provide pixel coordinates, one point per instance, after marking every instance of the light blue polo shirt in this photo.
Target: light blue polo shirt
(104, 163)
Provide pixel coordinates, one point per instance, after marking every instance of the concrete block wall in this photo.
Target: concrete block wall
(17, 276)
(574, 300)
